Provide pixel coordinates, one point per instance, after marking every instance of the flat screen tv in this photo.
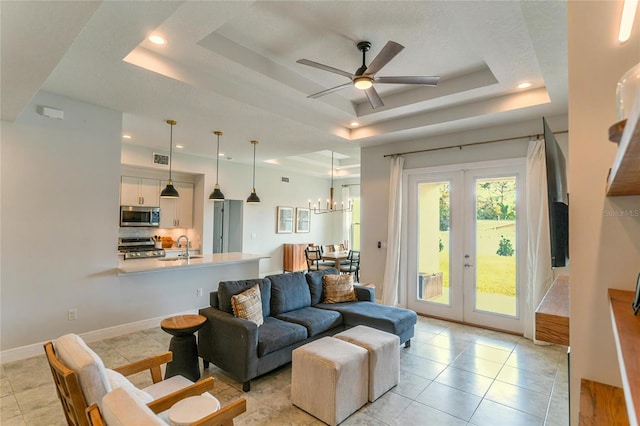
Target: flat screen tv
(558, 199)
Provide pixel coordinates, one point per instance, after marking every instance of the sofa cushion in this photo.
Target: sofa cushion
(338, 288)
(248, 305)
(382, 317)
(313, 319)
(314, 280)
(227, 289)
(276, 334)
(288, 292)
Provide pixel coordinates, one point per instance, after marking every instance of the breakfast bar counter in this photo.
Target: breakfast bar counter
(197, 261)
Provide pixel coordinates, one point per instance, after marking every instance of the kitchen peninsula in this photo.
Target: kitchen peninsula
(197, 261)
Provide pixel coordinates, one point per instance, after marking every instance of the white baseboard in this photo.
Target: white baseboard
(36, 349)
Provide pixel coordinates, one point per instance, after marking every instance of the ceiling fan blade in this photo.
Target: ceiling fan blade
(333, 89)
(424, 80)
(388, 52)
(324, 67)
(374, 98)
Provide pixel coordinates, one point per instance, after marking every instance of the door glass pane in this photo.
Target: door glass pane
(495, 262)
(433, 242)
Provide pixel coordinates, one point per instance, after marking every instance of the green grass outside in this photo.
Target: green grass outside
(494, 274)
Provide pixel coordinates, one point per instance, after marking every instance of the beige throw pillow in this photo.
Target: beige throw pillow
(248, 305)
(338, 288)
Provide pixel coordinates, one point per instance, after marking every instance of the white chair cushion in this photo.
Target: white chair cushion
(121, 408)
(165, 387)
(76, 355)
(117, 380)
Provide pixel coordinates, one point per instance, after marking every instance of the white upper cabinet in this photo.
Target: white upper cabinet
(178, 212)
(136, 191)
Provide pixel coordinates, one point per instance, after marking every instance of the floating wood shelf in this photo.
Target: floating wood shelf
(624, 176)
(626, 331)
(601, 404)
(552, 314)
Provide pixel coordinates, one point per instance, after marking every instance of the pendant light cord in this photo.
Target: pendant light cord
(170, 149)
(254, 166)
(217, 159)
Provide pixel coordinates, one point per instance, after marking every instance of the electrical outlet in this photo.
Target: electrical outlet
(72, 314)
(199, 292)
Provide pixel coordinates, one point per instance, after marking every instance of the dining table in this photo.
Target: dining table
(336, 256)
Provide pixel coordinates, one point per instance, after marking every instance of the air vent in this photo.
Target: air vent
(285, 179)
(160, 159)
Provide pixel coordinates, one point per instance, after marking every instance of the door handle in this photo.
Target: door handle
(467, 265)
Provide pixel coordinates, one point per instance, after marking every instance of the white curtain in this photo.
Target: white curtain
(392, 263)
(539, 273)
(346, 219)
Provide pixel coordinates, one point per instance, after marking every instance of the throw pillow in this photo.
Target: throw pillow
(338, 288)
(248, 305)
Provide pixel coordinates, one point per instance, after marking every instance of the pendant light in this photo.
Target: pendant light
(169, 191)
(253, 198)
(217, 195)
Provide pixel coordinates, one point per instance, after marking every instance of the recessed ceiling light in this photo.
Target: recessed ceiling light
(179, 146)
(355, 123)
(156, 39)
(126, 136)
(524, 85)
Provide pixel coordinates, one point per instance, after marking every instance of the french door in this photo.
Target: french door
(466, 248)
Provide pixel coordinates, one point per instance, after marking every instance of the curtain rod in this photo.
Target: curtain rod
(469, 144)
(345, 185)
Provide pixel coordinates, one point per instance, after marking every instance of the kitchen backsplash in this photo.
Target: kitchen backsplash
(143, 232)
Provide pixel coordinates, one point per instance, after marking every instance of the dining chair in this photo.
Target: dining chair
(352, 264)
(81, 379)
(313, 255)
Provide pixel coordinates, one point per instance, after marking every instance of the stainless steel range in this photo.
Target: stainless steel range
(139, 248)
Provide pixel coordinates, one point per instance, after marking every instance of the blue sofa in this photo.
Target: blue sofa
(293, 315)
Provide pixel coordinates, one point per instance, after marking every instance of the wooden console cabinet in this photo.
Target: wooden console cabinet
(293, 258)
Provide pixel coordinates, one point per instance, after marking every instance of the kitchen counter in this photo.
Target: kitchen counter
(132, 266)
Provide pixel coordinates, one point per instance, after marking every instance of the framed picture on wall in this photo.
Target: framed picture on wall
(303, 219)
(284, 220)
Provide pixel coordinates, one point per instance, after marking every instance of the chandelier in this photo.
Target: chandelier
(331, 206)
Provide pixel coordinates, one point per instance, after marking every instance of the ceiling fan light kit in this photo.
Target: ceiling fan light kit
(364, 77)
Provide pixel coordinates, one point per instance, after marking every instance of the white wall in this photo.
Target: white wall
(605, 248)
(59, 226)
(375, 176)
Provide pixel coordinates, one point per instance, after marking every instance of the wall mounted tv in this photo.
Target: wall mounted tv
(558, 198)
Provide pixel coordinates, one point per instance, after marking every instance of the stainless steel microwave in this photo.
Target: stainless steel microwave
(139, 216)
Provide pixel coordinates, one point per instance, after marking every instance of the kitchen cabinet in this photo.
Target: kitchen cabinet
(178, 212)
(136, 191)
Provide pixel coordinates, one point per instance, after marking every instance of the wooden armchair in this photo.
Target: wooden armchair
(82, 380)
(125, 409)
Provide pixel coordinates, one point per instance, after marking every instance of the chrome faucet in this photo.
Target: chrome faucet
(186, 252)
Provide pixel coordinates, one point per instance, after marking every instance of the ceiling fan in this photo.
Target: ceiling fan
(364, 77)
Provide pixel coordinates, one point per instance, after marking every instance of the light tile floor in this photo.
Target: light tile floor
(451, 375)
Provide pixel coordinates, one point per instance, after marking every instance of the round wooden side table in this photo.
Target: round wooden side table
(183, 345)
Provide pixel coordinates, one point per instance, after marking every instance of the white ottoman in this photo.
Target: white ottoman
(384, 357)
(329, 379)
